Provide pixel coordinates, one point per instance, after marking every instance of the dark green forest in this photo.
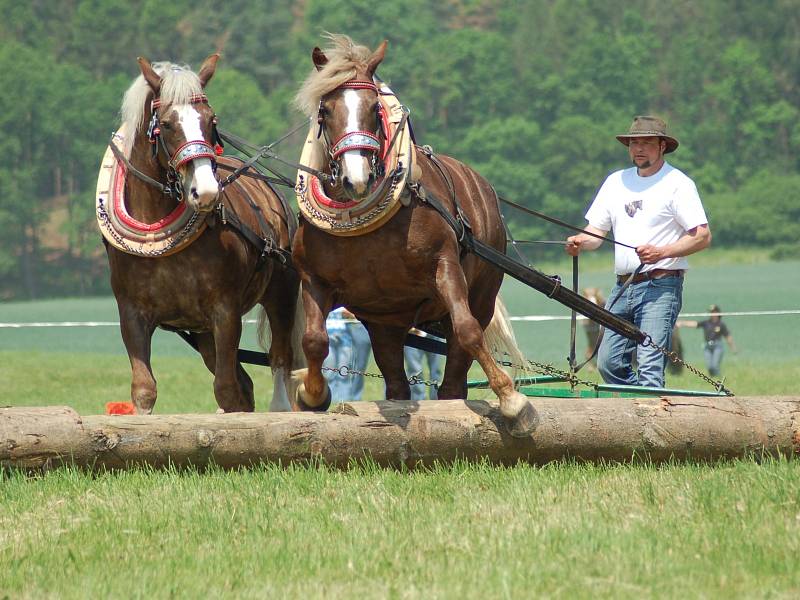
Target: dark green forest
(530, 93)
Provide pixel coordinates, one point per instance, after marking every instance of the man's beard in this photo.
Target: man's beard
(645, 165)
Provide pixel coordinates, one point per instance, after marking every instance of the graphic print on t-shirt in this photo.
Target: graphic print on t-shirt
(632, 207)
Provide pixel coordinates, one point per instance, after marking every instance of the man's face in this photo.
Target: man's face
(646, 151)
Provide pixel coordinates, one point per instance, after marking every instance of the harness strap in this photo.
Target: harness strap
(267, 152)
(250, 357)
(267, 246)
(555, 221)
(166, 190)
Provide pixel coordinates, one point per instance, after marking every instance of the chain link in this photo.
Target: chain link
(718, 385)
(532, 366)
(345, 371)
(174, 241)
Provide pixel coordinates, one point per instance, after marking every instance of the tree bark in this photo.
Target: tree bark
(408, 433)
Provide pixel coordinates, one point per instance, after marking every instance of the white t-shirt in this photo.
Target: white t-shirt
(657, 210)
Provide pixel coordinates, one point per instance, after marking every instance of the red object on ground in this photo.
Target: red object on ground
(120, 408)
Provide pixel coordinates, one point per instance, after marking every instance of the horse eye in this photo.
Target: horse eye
(166, 125)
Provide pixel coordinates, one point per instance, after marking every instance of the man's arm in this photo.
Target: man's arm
(578, 243)
(696, 239)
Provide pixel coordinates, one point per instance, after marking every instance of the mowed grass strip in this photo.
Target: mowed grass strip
(463, 531)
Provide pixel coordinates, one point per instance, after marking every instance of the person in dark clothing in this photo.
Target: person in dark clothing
(714, 331)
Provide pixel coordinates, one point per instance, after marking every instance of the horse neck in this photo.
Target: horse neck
(144, 201)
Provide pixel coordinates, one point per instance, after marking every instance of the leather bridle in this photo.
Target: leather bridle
(186, 152)
(356, 140)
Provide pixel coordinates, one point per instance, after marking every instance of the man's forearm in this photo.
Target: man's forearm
(690, 243)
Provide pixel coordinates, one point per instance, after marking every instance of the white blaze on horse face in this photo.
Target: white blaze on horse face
(356, 167)
(200, 185)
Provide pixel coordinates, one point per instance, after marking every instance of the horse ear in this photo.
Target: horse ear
(208, 68)
(151, 77)
(319, 58)
(376, 58)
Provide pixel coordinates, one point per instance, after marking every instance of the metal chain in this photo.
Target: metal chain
(547, 369)
(346, 371)
(177, 239)
(718, 385)
(301, 188)
(532, 366)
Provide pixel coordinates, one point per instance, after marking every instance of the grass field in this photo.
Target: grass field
(461, 531)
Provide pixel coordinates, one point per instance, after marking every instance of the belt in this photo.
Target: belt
(652, 274)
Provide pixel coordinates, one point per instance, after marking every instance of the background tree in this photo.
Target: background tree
(530, 93)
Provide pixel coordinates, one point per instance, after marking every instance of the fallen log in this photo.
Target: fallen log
(408, 433)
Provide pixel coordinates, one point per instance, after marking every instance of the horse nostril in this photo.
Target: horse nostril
(195, 195)
(346, 184)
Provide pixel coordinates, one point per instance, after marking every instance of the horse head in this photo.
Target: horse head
(350, 120)
(182, 130)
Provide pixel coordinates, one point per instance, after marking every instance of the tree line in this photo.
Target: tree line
(530, 93)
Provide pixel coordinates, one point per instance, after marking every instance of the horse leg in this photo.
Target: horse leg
(314, 393)
(137, 333)
(207, 349)
(387, 347)
(454, 381)
(452, 287)
(230, 394)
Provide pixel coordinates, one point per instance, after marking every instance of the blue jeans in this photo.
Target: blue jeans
(653, 306)
(414, 358)
(361, 348)
(713, 354)
(340, 353)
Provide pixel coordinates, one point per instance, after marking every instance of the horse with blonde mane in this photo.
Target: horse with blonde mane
(370, 241)
(185, 253)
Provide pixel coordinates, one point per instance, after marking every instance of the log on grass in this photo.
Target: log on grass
(408, 433)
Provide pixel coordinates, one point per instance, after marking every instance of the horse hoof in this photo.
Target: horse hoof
(301, 405)
(524, 423)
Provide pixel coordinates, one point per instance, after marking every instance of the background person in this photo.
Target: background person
(655, 208)
(714, 330)
(340, 353)
(361, 349)
(414, 366)
(348, 346)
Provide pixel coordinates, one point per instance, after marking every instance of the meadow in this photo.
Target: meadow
(730, 529)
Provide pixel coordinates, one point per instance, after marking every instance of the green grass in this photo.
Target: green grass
(464, 531)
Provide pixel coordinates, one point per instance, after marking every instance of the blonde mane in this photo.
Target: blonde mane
(344, 58)
(178, 84)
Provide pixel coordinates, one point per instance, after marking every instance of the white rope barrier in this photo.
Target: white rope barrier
(529, 318)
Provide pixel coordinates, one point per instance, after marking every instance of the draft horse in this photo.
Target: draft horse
(239, 254)
(411, 269)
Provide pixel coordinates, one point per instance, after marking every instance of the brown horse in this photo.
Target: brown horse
(408, 271)
(203, 285)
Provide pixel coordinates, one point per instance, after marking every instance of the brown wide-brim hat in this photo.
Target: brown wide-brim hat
(644, 126)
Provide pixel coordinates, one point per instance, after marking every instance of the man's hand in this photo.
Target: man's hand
(578, 243)
(650, 254)
(573, 246)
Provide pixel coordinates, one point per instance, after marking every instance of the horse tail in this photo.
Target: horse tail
(501, 340)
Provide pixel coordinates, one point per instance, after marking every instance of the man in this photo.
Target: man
(654, 208)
